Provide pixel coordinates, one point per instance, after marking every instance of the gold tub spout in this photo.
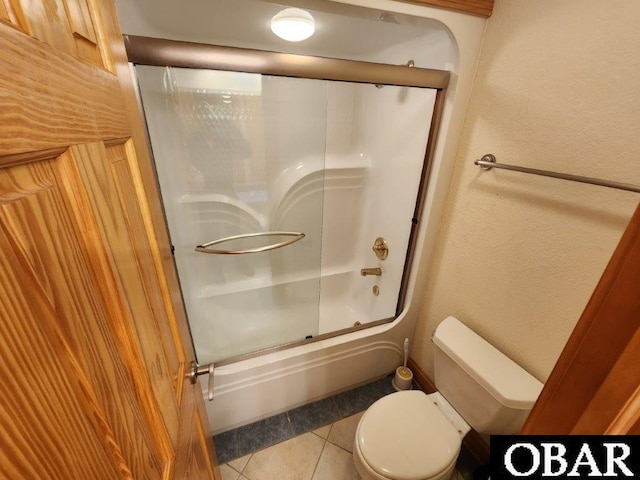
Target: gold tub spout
(377, 271)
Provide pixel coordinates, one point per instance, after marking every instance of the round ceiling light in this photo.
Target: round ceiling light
(293, 24)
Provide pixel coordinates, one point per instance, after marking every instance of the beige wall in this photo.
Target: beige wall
(518, 256)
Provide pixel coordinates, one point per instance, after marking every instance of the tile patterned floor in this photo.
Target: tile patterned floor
(259, 435)
(313, 442)
(323, 454)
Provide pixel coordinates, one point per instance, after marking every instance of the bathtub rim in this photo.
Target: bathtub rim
(306, 342)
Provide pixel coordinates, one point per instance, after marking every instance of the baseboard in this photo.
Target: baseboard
(473, 441)
(421, 379)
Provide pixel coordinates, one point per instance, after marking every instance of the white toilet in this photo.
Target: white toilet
(413, 436)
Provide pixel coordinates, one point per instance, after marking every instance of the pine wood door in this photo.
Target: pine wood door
(93, 341)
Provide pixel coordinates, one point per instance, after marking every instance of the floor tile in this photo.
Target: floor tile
(361, 398)
(383, 386)
(314, 415)
(228, 473)
(250, 438)
(226, 446)
(245, 440)
(294, 459)
(323, 431)
(343, 432)
(308, 455)
(335, 464)
(239, 463)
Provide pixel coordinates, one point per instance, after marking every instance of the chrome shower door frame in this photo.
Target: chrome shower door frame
(173, 53)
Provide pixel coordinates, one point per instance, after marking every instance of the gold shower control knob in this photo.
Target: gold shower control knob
(380, 248)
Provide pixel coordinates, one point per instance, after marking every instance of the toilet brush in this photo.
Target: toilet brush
(404, 376)
(405, 370)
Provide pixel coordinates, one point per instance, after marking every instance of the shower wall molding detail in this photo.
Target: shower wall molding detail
(250, 378)
(252, 390)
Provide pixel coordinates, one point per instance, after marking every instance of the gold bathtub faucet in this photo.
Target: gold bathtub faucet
(377, 271)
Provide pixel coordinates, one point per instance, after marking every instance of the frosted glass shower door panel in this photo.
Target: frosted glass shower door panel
(376, 145)
(239, 154)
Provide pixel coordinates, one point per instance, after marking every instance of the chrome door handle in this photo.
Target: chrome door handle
(196, 370)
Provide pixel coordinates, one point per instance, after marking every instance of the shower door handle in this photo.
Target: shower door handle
(196, 370)
(205, 247)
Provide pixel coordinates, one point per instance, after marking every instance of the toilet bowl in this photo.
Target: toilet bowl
(408, 436)
(413, 436)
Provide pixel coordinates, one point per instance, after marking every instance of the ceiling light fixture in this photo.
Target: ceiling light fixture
(293, 24)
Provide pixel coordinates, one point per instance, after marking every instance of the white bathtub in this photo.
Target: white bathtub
(259, 387)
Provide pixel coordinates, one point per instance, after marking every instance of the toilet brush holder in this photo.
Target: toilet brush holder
(403, 379)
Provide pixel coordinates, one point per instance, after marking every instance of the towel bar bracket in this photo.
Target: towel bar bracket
(489, 157)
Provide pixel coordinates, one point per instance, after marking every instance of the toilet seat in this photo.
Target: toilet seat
(404, 436)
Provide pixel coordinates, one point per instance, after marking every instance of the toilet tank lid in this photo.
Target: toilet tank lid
(504, 379)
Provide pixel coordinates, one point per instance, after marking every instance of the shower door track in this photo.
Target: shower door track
(174, 53)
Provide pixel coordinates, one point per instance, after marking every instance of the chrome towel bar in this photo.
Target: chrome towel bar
(488, 161)
(204, 248)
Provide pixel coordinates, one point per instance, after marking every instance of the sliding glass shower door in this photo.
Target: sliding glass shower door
(229, 148)
(290, 202)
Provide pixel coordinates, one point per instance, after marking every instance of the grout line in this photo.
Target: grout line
(318, 461)
(342, 448)
(234, 469)
(329, 432)
(245, 467)
(336, 445)
(246, 464)
(240, 472)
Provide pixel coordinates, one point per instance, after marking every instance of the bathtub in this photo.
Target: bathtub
(278, 380)
(259, 387)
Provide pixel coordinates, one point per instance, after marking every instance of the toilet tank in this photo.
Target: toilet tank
(491, 392)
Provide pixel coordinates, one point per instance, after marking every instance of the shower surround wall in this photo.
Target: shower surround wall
(518, 256)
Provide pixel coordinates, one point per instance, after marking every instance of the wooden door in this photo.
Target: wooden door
(93, 341)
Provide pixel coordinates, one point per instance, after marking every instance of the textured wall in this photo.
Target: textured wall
(518, 256)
